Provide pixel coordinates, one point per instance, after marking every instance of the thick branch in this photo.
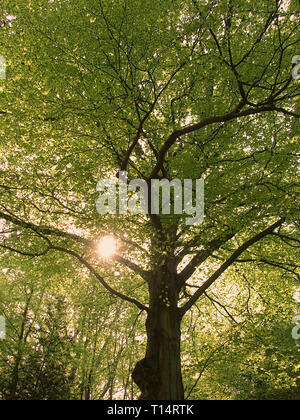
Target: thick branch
(83, 262)
(56, 232)
(200, 257)
(237, 113)
(132, 266)
(100, 278)
(228, 263)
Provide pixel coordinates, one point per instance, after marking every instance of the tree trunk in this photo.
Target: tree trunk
(158, 375)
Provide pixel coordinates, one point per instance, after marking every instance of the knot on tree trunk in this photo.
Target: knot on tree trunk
(146, 378)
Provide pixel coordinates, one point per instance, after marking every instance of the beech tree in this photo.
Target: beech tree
(175, 89)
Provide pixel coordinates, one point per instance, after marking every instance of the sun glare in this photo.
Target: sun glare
(107, 247)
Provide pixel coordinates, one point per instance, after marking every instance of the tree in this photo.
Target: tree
(65, 337)
(35, 356)
(179, 89)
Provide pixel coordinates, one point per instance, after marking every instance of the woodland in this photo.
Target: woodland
(145, 306)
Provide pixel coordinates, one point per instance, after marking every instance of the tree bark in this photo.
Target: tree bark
(158, 375)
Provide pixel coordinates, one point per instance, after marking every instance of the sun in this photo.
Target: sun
(107, 247)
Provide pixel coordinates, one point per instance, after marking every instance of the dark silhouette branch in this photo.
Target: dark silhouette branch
(46, 231)
(235, 114)
(202, 289)
(200, 257)
(140, 129)
(100, 278)
(24, 253)
(43, 230)
(132, 266)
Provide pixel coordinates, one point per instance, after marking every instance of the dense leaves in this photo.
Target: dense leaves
(174, 89)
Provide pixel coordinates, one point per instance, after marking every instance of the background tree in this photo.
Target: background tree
(179, 89)
(65, 338)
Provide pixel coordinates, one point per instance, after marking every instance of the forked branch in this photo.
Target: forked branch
(202, 289)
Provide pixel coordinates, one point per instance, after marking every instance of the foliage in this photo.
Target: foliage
(172, 89)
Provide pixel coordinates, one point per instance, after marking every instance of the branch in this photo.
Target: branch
(140, 129)
(228, 263)
(55, 232)
(269, 21)
(286, 238)
(100, 278)
(26, 254)
(200, 257)
(132, 266)
(43, 230)
(281, 265)
(236, 113)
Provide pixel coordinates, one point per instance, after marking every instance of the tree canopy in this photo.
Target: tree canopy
(175, 89)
